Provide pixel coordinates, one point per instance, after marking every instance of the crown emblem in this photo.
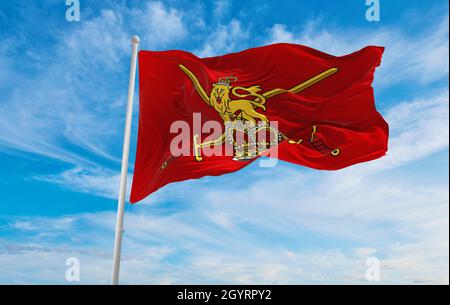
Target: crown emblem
(227, 80)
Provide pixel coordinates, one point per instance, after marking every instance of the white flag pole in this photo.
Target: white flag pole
(124, 170)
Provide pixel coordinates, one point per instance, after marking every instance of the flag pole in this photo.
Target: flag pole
(124, 169)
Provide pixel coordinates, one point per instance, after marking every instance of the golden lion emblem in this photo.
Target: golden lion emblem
(241, 109)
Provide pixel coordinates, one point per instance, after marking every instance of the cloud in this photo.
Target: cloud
(98, 181)
(161, 25)
(43, 224)
(421, 58)
(102, 182)
(419, 128)
(101, 41)
(72, 108)
(221, 8)
(314, 236)
(57, 107)
(225, 39)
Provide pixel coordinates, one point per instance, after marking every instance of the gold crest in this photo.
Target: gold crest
(242, 114)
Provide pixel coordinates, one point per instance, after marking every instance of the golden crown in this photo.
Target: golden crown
(227, 80)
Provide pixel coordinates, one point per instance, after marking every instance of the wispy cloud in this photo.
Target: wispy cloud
(419, 128)
(72, 110)
(421, 58)
(221, 8)
(98, 181)
(224, 39)
(160, 25)
(314, 235)
(56, 111)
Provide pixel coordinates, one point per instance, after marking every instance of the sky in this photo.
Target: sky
(63, 88)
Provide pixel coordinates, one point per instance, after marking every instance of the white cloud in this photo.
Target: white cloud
(99, 42)
(102, 182)
(418, 129)
(365, 252)
(225, 39)
(421, 58)
(279, 33)
(98, 181)
(221, 8)
(69, 109)
(161, 25)
(58, 107)
(318, 233)
(41, 225)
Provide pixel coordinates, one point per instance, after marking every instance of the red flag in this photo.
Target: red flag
(323, 105)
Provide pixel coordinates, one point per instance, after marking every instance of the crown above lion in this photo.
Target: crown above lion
(225, 81)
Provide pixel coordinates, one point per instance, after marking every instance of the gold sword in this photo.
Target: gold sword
(268, 94)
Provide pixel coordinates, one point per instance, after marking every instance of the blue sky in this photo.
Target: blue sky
(63, 90)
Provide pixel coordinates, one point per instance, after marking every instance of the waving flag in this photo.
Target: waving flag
(322, 108)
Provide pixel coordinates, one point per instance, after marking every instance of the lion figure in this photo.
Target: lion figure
(243, 109)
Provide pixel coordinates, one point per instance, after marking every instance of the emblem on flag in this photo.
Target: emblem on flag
(241, 115)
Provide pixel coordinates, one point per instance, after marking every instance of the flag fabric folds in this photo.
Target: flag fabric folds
(322, 105)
